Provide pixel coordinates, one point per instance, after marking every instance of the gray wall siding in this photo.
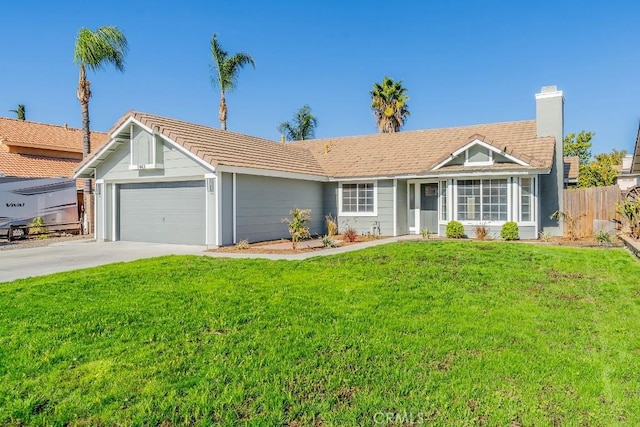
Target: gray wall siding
(226, 229)
(262, 202)
(363, 224)
(525, 232)
(330, 198)
(402, 207)
(176, 165)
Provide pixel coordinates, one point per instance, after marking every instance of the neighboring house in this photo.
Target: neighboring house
(571, 171)
(37, 150)
(629, 175)
(166, 180)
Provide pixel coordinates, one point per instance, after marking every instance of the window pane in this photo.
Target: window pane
(357, 197)
(494, 199)
(443, 200)
(469, 200)
(526, 199)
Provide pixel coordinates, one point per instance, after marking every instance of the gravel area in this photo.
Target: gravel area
(5, 245)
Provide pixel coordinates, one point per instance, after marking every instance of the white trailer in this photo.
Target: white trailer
(22, 200)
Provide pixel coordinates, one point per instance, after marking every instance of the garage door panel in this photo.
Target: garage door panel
(171, 212)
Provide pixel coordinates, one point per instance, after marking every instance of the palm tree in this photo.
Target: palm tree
(389, 104)
(224, 73)
(94, 50)
(20, 112)
(303, 126)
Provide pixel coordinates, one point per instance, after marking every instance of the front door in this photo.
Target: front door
(429, 207)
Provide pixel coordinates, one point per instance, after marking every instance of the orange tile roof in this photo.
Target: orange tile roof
(395, 154)
(44, 138)
(571, 167)
(25, 133)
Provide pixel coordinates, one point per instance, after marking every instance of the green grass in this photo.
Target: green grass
(436, 332)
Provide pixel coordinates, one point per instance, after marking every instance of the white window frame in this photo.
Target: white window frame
(534, 200)
(375, 199)
(443, 195)
(481, 221)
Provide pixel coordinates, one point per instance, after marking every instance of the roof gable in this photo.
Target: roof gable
(480, 141)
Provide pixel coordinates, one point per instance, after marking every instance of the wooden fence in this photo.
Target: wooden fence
(593, 209)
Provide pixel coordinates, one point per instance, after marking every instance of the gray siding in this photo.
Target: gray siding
(226, 228)
(525, 232)
(330, 198)
(176, 165)
(363, 224)
(262, 202)
(402, 212)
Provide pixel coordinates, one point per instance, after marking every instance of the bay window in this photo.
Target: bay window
(482, 200)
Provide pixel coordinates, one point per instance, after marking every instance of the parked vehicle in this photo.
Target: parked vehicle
(24, 199)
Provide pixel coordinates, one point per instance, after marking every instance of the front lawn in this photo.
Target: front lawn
(425, 332)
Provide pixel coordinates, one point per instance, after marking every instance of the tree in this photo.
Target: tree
(579, 145)
(389, 105)
(301, 127)
(601, 171)
(93, 51)
(224, 74)
(20, 112)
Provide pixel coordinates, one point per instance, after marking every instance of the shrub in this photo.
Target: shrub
(603, 237)
(331, 224)
(509, 231)
(569, 221)
(38, 227)
(630, 210)
(328, 242)
(297, 225)
(482, 232)
(350, 234)
(242, 244)
(545, 236)
(455, 230)
(426, 233)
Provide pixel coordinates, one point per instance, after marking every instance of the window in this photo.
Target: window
(526, 199)
(443, 200)
(482, 200)
(358, 198)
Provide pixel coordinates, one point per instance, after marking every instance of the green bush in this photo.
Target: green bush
(455, 230)
(509, 231)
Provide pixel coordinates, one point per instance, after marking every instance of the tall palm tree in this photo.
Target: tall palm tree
(301, 127)
(93, 51)
(389, 104)
(224, 73)
(20, 112)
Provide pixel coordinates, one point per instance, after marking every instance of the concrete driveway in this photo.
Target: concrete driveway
(66, 256)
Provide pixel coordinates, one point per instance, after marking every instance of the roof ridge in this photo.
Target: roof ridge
(47, 124)
(407, 132)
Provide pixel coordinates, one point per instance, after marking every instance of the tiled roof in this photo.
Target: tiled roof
(40, 139)
(219, 147)
(418, 152)
(45, 136)
(571, 167)
(395, 154)
(29, 166)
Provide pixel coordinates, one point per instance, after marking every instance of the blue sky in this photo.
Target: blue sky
(463, 62)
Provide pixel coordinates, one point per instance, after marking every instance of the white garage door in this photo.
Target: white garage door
(163, 212)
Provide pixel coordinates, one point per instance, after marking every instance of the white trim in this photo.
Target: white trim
(395, 207)
(89, 164)
(144, 180)
(235, 213)
(416, 206)
(409, 227)
(452, 174)
(554, 94)
(459, 151)
(536, 201)
(218, 208)
(146, 166)
(375, 200)
(114, 211)
(130, 145)
(272, 173)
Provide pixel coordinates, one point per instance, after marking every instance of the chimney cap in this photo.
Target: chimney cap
(547, 89)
